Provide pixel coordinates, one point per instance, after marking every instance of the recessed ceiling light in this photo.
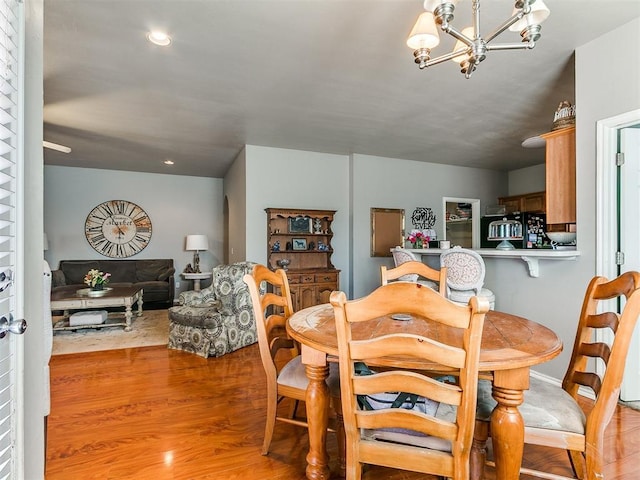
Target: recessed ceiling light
(159, 38)
(168, 162)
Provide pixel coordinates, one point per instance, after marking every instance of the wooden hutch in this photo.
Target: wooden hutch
(303, 238)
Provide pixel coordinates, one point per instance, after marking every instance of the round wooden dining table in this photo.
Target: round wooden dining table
(510, 346)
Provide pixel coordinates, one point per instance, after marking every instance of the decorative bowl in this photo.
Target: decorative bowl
(562, 237)
(283, 263)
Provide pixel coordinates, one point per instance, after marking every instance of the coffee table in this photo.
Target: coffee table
(80, 300)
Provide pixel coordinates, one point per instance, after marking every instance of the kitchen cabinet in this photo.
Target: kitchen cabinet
(303, 239)
(529, 202)
(561, 176)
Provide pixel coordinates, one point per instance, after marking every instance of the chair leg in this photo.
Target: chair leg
(478, 454)
(341, 439)
(577, 463)
(272, 406)
(294, 408)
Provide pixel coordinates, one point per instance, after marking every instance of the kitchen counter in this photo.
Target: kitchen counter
(531, 256)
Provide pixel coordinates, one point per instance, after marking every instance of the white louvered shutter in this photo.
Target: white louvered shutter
(11, 155)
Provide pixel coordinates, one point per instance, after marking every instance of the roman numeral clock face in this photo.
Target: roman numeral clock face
(118, 229)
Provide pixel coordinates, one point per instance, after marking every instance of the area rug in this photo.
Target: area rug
(152, 328)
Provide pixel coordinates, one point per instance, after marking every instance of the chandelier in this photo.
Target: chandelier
(471, 47)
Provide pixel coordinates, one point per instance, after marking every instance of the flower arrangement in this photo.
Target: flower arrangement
(96, 279)
(418, 240)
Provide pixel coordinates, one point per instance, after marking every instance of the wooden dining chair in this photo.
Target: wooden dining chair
(552, 416)
(286, 378)
(418, 269)
(434, 436)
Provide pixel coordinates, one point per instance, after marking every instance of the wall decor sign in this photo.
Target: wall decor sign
(300, 225)
(423, 217)
(118, 229)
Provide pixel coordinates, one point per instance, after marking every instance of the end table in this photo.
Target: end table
(196, 277)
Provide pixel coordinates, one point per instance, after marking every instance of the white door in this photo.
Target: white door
(629, 231)
(11, 239)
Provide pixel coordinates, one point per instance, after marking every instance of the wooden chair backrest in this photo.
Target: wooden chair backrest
(271, 301)
(592, 319)
(418, 268)
(461, 357)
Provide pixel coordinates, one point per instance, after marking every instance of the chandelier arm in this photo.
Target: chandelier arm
(504, 26)
(445, 57)
(513, 46)
(457, 35)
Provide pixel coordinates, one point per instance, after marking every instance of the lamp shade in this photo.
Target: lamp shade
(197, 242)
(538, 14)
(424, 33)
(467, 32)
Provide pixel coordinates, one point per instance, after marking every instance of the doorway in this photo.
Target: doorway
(617, 224)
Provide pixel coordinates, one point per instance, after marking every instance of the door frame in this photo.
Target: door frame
(606, 191)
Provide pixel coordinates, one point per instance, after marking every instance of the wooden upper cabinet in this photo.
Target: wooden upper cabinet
(529, 202)
(561, 175)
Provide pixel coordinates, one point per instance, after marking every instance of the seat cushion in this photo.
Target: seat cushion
(444, 412)
(545, 406)
(463, 296)
(293, 375)
(195, 316)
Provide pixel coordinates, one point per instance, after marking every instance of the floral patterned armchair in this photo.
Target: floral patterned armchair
(215, 320)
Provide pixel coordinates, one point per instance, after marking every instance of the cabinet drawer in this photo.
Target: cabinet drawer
(326, 277)
(307, 278)
(293, 279)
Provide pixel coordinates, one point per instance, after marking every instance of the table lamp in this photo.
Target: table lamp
(197, 243)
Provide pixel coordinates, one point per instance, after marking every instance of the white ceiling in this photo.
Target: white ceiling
(323, 75)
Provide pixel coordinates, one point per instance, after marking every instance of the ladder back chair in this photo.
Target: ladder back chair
(551, 414)
(416, 268)
(436, 437)
(286, 378)
(402, 255)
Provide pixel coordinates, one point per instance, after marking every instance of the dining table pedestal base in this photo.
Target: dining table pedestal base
(507, 425)
(317, 405)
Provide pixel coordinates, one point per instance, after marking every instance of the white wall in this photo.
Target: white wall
(177, 206)
(235, 190)
(394, 183)
(527, 180)
(278, 177)
(606, 85)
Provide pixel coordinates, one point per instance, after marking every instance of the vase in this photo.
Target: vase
(98, 287)
(418, 244)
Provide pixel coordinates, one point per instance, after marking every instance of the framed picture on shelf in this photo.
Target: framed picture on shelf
(300, 225)
(299, 243)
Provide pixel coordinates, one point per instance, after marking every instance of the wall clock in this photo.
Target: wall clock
(118, 228)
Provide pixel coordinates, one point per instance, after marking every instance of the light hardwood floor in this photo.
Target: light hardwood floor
(154, 413)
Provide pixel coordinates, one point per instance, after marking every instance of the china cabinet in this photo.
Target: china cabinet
(300, 240)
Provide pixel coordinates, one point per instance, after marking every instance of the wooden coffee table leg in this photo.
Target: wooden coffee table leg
(140, 305)
(507, 426)
(317, 404)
